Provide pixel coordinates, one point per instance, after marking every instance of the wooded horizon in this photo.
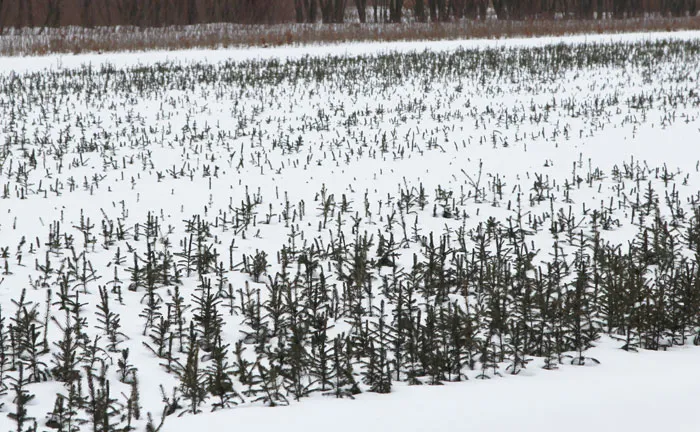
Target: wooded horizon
(157, 13)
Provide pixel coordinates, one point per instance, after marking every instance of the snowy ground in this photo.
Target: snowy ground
(192, 146)
(648, 391)
(39, 63)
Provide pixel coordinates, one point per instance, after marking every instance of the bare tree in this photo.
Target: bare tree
(299, 11)
(305, 10)
(333, 11)
(326, 11)
(419, 10)
(53, 14)
(380, 11)
(395, 10)
(2, 16)
(362, 10)
(312, 11)
(191, 12)
(432, 8)
(339, 10)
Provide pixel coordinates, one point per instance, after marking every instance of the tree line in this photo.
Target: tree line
(394, 11)
(150, 13)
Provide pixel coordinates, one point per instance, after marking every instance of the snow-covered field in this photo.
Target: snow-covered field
(227, 230)
(641, 392)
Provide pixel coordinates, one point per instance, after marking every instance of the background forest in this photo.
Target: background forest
(149, 13)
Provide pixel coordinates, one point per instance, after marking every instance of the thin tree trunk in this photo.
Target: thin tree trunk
(433, 8)
(299, 11)
(396, 9)
(361, 10)
(419, 10)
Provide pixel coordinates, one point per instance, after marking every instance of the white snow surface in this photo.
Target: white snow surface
(641, 392)
(127, 59)
(626, 392)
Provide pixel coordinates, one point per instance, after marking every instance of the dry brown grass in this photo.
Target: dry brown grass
(111, 39)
